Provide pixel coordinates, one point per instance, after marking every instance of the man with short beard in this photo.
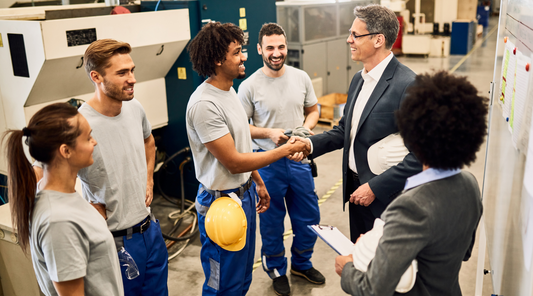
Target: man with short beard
(277, 98)
(119, 184)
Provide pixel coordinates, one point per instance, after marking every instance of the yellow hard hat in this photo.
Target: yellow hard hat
(225, 224)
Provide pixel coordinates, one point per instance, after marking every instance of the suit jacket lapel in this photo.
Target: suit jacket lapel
(382, 85)
(348, 122)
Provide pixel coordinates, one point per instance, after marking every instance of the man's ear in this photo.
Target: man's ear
(96, 77)
(259, 51)
(380, 41)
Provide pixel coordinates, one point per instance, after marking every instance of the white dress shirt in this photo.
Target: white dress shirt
(370, 81)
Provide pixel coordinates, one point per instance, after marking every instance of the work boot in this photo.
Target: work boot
(281, 286)
(312, 275)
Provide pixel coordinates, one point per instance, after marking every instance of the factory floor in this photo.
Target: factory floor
(185, 271)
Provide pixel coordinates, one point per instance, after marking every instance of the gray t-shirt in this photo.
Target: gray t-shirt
(276, 102)
(69, 240)
(211, 114)
(118, 175)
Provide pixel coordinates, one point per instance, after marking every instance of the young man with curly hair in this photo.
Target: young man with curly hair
(443, 122)
(219, 136)
(278, 97)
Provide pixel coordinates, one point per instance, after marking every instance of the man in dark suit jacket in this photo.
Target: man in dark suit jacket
(374, 94)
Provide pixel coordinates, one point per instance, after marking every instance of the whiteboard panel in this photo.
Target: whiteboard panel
(507, 205)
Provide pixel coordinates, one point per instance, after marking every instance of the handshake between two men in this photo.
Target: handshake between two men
(363, 195)
(296, 139)
(302, 146)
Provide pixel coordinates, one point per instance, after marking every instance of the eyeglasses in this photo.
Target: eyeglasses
(358, 36)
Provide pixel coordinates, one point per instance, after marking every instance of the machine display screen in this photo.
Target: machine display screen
(18, 55)
(81, 37)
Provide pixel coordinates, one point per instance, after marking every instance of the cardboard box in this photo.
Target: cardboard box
(467, 9)
(332, 106)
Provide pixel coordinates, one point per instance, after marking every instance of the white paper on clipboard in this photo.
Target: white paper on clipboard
(332, 236)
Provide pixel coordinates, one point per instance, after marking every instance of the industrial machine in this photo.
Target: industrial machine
(316, 35)
(16, 270)
(418, 42)
(43, 58)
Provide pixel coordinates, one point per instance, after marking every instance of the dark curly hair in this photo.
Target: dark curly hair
(443, 120)
(211, 45)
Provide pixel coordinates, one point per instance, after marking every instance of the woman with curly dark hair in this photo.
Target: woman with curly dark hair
(443, 122)
(72, 250)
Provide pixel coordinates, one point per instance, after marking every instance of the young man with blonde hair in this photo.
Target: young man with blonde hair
(120, 182)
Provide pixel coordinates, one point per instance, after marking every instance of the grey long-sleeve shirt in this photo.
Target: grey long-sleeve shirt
(434, 223)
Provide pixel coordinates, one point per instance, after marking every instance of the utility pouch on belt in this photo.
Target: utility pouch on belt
(314, 168)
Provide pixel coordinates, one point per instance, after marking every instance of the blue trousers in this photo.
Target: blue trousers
(288, 183)
(149, 251)
(227, 273)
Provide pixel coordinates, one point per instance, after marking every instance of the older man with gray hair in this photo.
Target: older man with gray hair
(374, 95)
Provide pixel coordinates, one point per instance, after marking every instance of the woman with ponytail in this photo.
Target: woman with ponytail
(72, 250)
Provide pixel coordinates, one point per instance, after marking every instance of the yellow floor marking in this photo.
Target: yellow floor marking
(320, 202)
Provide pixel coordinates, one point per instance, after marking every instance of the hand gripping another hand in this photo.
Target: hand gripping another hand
(300, 148)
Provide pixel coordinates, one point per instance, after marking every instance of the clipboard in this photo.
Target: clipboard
(332, 236)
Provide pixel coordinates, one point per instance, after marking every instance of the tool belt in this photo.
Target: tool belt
(145, 224)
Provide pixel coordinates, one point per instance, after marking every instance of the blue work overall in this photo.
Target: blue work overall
(226, 272)
(288, 183)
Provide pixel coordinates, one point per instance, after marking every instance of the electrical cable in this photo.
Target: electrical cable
(1, 198)
(182, 238)
(163, 167)
(157, 5)
(177, 224)
(193, 229)
(180, 214)
(183, 232)
(172, 215)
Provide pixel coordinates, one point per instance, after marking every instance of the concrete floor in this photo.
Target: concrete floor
(185, 272)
